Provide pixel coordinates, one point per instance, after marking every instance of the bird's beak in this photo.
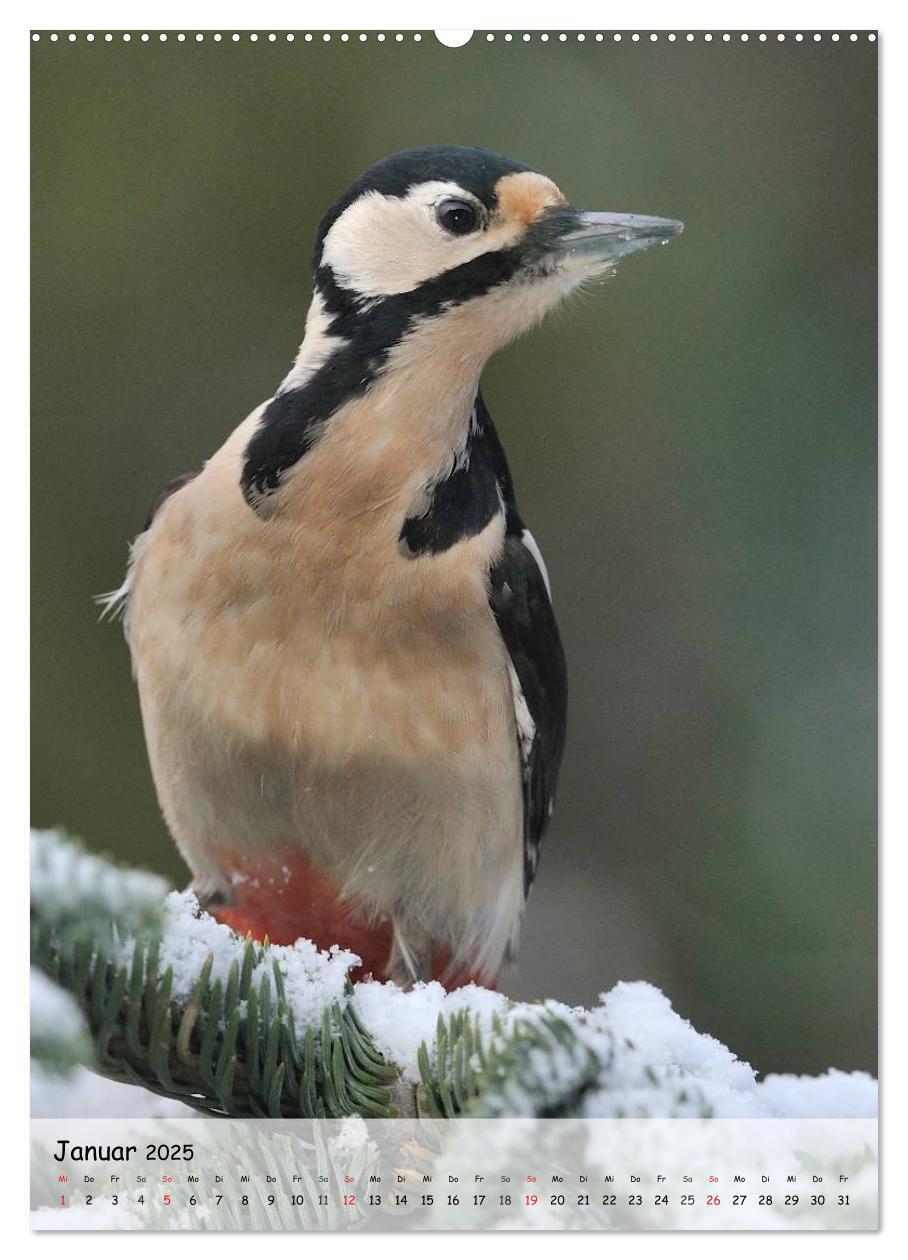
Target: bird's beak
(603, 237)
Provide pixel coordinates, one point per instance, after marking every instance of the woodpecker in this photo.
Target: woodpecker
(352, 685)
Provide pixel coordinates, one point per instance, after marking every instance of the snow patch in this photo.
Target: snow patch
(401, 1020)
(67, 880)
(54, 1012)
(651, 1061)
(313, 978)
(835, 1094)
(82, 1093)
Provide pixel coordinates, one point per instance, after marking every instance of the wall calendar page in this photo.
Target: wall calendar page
(454, 567)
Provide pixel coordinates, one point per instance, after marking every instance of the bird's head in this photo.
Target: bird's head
(430, 262)
(478, 244)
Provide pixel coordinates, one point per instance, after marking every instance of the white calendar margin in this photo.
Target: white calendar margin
(894, 512)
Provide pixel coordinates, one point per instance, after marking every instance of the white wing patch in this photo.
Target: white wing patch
(533, 548)
(526, 727)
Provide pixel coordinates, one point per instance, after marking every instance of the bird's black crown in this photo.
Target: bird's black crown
(476, 171)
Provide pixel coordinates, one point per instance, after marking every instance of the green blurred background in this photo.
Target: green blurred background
(694, 445)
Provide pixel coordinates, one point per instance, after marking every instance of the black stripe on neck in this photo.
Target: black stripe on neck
(291, 422)
(465, 501)
(370, 329)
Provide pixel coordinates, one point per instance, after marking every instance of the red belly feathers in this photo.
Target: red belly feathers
(289, 898)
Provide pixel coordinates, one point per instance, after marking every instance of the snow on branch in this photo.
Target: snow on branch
(279, 1030)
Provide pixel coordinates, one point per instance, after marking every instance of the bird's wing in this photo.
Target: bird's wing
(521, 602)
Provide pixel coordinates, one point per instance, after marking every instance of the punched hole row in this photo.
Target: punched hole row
(508, 37)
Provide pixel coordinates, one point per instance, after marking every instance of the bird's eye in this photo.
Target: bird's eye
(457, 217)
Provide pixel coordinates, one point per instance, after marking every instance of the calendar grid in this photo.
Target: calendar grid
(470, 1174)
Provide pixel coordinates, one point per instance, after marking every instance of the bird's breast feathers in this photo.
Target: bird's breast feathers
(306, 679)
(323, 608)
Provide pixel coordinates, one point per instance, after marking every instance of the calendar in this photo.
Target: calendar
(471, 1174)
(454, 460)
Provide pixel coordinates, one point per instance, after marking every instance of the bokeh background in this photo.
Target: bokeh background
(693, 443)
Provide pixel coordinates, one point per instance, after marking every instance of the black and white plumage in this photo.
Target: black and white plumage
(521, 599)
(475, 490)
(353, 688)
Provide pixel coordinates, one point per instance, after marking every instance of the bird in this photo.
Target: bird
(352, 685)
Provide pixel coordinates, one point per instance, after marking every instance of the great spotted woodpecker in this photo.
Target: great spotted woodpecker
(352, 684)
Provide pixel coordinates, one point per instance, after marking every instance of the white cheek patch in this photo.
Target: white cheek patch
(383, 245)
